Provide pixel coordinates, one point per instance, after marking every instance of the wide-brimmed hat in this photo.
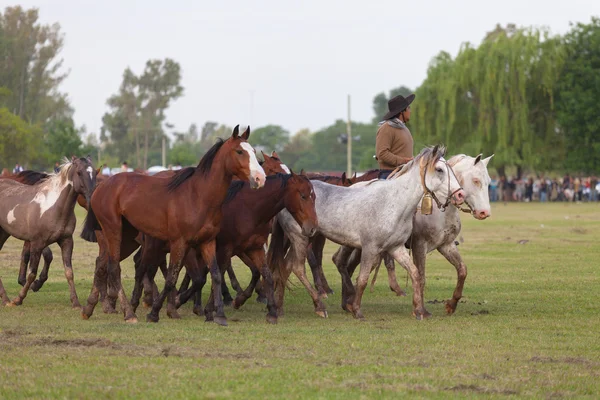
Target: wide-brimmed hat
(398, 104)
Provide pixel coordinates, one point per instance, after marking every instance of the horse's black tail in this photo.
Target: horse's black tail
(90, 226)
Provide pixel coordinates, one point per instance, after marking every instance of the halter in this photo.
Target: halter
(427, 191)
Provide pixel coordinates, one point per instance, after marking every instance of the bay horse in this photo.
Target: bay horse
(271, 165)
(245, 227)
(376, 218)
(184, 211)
(42, 214)
(439, 230)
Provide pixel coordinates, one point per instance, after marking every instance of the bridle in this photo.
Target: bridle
(427, 191)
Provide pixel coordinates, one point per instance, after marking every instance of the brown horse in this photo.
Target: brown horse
(245, 227)
(184, 211)
(42, 214)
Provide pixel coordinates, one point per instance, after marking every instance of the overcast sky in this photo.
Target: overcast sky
(276, 62)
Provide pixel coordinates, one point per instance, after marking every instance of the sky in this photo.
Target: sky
(289, 63)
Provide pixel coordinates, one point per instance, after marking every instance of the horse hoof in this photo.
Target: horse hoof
(146, 305)
(84, 316)
(13, 303)
(76, 306)
(35, 286)
(271, 319)
(132, 320)
(173, 315)
(227, 302)
(449, 309)
(329, 291)
(198, 311)
(323, 295)
(221, 321)
(151, 318)
(261, 299)
(322, 314)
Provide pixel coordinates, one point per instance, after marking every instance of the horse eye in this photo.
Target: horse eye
(302, 196)
(438, 169)
(239, 151)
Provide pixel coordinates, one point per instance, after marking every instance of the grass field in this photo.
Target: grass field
(528, 326)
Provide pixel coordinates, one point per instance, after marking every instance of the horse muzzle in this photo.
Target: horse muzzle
(309, 229)
(458, 197)
(257, 180)
(481, 214)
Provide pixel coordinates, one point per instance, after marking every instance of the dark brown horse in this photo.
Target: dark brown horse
(42, 214)
(245, 227)
(184, 211)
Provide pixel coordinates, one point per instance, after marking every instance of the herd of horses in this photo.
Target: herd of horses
(230, 205)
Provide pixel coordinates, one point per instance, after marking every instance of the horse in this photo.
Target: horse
(245, 227)
(184, 211)
(42, 214)
(438, 231)
(375, 218)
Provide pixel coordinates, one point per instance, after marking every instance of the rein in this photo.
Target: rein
(428, 192)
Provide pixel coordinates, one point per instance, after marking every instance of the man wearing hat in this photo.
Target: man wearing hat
(394, 143)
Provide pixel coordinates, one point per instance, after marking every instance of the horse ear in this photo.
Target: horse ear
(477, 159)
(487, 160)
(264, 155)
(343, 177)
(246, 133)
(98, 170)
(274, 154)
(236, 132)
(435, 150)
(302, 172)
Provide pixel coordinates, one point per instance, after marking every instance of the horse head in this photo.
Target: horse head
(473, 176)
(241, 159)
(437, 177)
(299, 200)
(82, 174)
(273, 165)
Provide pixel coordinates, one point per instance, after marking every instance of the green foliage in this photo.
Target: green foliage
(495, 98)
(62, 140)
(380, 101)
(269, 138)
(578, 97)
(134, 123)
(30, 68)
(18, 140)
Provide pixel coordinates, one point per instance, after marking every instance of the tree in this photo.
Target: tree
(134, 123)
(270, 137)
(495, 98)
(30, 68)
(301, 143)
(578, 97)
(380, 101)
(62, 140)
(18, 141)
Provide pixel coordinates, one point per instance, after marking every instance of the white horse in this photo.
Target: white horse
(437, 231)
(376, 218)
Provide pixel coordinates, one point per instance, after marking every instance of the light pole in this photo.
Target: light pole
(349, 148)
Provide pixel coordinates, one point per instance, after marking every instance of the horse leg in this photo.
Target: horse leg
(400, 254)
(453, 256)
(3, 296)
(195, 270)
(150, 252)
(315, 261)
(369, 259)
(208, 251)
(100, 279)
(38, 283)
(178, 251)
(419, 256)
(25, 256)
(185, 283)
(66, 247)
(235, 284)
(198, 295)
(341, 258)
(258, 259)
(34, 262)
(300, 271)
(150, 289)
(245, 294)
(391, 270)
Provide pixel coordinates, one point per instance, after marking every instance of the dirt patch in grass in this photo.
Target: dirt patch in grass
(478, 389)
(565, 360)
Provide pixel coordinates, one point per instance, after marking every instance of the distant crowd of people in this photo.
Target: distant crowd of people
(544, 189)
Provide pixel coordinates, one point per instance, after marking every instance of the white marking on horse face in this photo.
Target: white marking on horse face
(256, 171)
(286, 169)
(49, 195)
(90, 171)
(476, 195)
(11, 215)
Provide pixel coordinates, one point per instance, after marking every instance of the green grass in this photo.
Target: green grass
(528, 326)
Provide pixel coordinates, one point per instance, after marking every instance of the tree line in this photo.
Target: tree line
(529, 97)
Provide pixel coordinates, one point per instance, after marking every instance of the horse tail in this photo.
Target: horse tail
(276, 254)
(90, 226)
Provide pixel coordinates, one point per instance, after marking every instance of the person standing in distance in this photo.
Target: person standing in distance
(394, 142)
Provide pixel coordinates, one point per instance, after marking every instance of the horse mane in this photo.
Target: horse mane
(425, 157)
(203, 166)
(236, 186)
(456, 159)
(31, 177)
